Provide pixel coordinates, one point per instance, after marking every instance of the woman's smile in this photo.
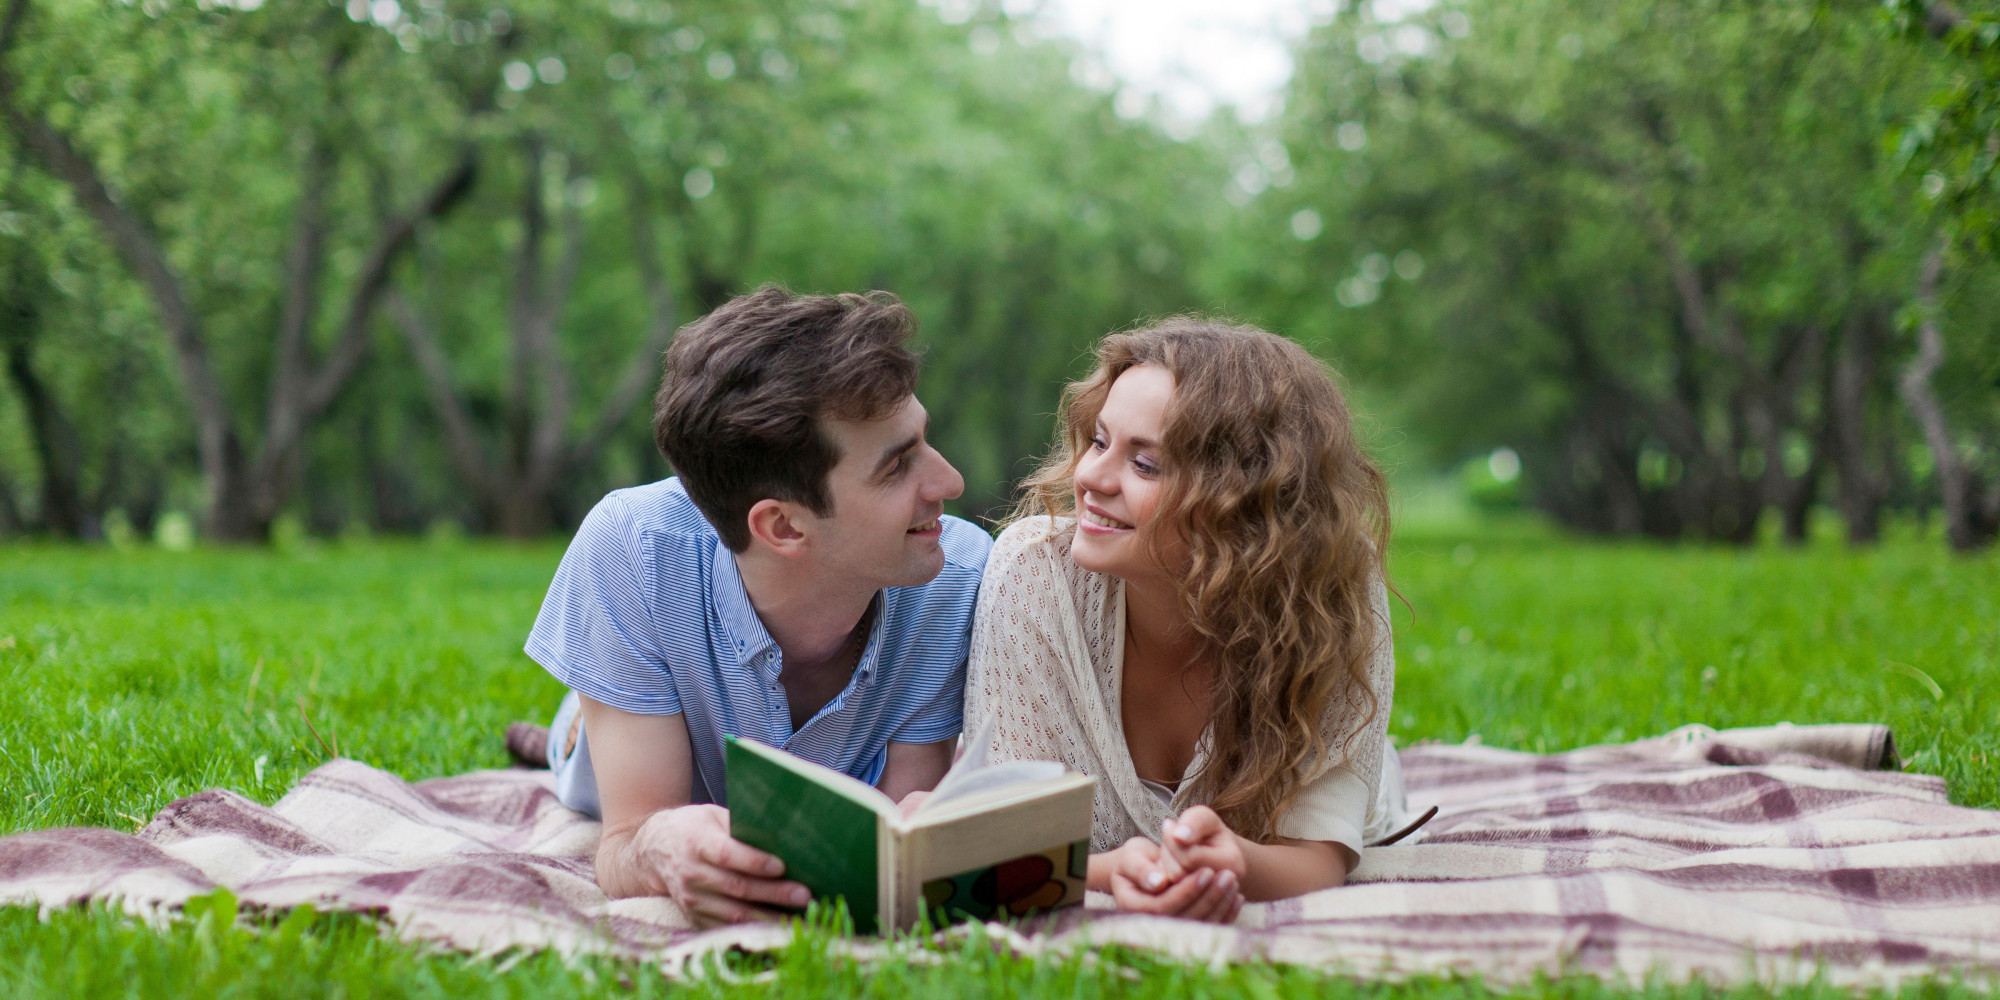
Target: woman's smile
(1096, 521)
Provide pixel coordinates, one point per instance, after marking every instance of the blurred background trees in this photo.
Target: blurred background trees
(1671, 268)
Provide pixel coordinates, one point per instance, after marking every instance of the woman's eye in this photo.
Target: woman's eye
(1145, 468)
(1097, 444)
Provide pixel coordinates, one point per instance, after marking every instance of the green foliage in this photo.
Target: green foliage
(669, 156)
(1598, 231)
(142, 677)
(1951, 139)
(1671, 253)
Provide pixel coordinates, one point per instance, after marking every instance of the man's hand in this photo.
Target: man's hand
(715, 878)
(654, 842)
(1139, 885)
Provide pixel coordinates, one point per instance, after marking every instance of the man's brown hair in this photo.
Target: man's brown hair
(746, 386)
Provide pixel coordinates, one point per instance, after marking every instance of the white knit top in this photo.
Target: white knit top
(1048, 652)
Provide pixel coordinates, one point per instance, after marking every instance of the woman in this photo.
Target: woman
(1189, 605)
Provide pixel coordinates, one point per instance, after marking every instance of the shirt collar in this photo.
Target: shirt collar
(745, 631)
(871, 654)
(740, 624)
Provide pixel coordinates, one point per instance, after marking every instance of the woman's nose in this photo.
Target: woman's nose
(1093, 473)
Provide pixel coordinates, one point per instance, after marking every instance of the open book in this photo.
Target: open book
(992, 840)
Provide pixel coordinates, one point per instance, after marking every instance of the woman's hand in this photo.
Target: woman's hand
(1198, 839)
(1139, 885)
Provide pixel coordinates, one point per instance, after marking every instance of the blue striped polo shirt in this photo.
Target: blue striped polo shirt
(647, 614)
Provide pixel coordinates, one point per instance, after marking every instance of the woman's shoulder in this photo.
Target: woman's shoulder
(1043, 536)
(1033, 552)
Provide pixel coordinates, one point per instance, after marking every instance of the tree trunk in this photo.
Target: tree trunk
(11, 522)
(517, 484)
(54, 442)
(1863, 488)
(245, 492)
(1969, 523)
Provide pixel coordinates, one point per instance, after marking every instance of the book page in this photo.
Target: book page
(972, 774)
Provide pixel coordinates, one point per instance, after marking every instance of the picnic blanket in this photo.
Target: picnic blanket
(1768, 855)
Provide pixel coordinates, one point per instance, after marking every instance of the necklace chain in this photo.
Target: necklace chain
(857, 643)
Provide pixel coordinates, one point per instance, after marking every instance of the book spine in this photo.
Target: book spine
(891, 914)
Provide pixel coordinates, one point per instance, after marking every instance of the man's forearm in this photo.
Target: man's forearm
(619, 872)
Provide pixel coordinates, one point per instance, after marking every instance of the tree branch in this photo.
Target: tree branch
(289, 364)
(462, 442)
(545, 452)
(1962, 529)
(525, 306)
(643, 370)
(1940, 18)
(351, 344)
(16, 10)
(130, 237)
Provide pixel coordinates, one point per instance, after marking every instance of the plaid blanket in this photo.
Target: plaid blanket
(1769, 855)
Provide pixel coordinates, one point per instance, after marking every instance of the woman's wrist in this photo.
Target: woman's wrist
(1097, 871)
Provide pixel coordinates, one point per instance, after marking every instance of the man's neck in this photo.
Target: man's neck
(810, 615)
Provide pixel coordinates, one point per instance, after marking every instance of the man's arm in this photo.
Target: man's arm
(655, 843)
(914, 767)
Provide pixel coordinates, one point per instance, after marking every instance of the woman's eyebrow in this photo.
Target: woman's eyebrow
(1132, 439)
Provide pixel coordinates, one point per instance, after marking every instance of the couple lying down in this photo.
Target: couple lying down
(1188, 604)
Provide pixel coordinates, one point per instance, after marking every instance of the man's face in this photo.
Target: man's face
(888, 490)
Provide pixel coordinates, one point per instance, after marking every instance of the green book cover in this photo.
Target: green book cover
(991, 841)
(827, 834)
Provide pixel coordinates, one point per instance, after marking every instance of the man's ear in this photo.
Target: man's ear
(775, 525)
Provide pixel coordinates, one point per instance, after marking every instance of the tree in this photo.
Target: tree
(255, 113)
(1953, 141)
(1626, 278)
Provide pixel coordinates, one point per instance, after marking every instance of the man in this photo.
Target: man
(796, 583)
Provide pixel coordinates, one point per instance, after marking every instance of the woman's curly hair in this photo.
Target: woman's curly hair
(1285, 520)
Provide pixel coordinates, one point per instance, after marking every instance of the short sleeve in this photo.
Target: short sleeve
(595, 632)
(941, 718)
(1332, 807)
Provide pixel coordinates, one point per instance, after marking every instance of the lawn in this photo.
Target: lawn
(137, 677)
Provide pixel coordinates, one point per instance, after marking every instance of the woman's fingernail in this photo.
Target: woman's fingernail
(800, 897)
(1228, 878)
(1207, 876)
(1153, 880)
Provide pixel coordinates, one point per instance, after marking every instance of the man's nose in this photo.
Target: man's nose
(946, 484)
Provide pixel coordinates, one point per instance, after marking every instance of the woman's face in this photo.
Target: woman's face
(1118, 478)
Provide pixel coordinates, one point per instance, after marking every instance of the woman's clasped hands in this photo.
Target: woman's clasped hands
(1195, 870)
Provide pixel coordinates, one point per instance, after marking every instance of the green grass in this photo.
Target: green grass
(133, 678)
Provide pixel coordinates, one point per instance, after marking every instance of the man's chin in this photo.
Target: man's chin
(924, 568)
